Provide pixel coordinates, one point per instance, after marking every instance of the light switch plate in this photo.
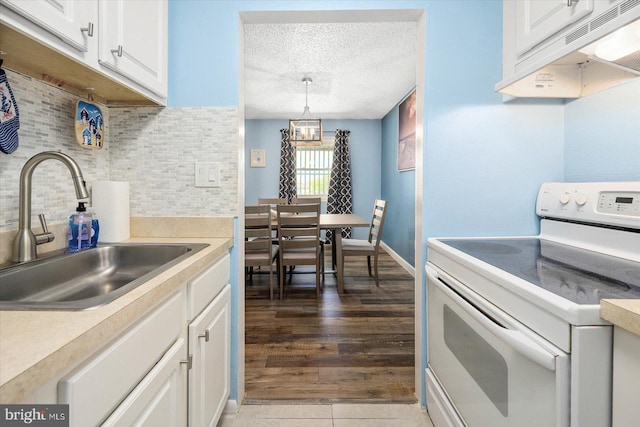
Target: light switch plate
(207, 174)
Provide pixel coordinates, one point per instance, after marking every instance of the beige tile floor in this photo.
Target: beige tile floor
(334, 415)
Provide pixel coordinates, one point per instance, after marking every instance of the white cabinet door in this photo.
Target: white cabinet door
(626, 377)
(210, 346)
(161, 397)
(71, 21)
(133, 41)
(537, 20)
(95, 388)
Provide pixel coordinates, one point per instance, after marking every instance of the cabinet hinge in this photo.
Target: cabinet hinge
(188, 362)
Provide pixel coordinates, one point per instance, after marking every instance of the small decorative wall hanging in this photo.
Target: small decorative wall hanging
(258, 159)
(89, 125)
(9, 116)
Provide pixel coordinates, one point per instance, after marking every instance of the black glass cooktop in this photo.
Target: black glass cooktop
(579, 275)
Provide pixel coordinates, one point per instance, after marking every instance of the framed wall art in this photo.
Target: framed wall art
(407, 133)
(258, 158)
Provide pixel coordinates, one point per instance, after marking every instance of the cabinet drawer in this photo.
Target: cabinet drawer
(160, 398)
(204, 287)
(96, 388)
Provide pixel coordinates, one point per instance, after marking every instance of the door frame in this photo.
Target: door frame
(419, 282)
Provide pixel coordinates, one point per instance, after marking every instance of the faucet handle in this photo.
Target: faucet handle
(45, 236)
(43, 222)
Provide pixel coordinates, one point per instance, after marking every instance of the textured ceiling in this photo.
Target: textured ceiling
(360, 70)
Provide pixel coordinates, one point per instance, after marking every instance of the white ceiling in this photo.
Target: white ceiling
(360, 69)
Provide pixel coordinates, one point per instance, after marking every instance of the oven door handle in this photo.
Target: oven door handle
(515, 339)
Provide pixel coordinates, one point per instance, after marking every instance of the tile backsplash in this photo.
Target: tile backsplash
(46, 124)
(154, 148)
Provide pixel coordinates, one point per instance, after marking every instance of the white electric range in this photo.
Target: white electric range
(514, 332)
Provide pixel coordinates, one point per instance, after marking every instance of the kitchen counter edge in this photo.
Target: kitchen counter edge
(38, 345)
(624, 313)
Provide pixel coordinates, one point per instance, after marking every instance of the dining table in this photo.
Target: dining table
(336, 222)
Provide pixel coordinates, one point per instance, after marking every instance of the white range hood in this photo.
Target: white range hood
(596, 56)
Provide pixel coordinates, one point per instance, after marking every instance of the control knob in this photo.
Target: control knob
(581, 200)
(564, 198)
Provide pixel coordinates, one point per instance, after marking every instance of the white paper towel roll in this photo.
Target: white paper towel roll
(110, 200)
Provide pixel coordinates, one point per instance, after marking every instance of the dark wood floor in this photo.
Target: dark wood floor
(358, 347)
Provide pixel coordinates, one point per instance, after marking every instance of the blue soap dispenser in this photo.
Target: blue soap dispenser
(80, 229)
(95, 229)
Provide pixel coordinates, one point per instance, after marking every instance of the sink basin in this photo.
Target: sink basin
(87, 279)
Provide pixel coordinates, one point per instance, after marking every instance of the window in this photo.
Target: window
(313, 169)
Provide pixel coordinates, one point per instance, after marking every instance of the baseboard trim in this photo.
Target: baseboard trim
(404, 264)
(231, 407)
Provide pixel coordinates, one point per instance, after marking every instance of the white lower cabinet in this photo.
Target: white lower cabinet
(209, 347)
(97, 387)
(626, 377)
(170, 369)
(160, 398)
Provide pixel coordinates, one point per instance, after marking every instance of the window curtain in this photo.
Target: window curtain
(339, 199)
(287, 188)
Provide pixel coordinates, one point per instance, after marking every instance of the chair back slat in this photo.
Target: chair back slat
(305, 200)
(272, 201)
(257, 230)
(299, 221)
(377, 222)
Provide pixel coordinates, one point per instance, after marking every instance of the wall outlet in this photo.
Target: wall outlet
(207, 174)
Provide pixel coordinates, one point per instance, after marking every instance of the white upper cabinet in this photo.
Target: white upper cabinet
(547, 45)
(133, 41)
(122, 45)
(537, 20)
(71, 21)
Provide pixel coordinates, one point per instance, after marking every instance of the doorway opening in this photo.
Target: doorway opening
(329, 334)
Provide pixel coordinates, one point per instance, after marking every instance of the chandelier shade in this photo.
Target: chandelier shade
(306, 130)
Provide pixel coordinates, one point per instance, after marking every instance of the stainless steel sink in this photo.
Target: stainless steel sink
(87, 279)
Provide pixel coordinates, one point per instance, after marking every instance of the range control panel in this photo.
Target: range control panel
(609, 203)
(622, 203)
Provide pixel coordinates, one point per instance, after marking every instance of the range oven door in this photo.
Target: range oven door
(492, 369)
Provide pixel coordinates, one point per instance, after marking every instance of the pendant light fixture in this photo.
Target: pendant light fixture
(306, 130)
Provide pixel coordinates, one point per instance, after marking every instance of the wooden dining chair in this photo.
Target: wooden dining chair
(299, 239)
(273, 202)
(259, 250)
(371, 246)
(318, 200)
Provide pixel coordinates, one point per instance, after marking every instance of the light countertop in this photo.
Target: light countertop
(36, 346)
(624, 313)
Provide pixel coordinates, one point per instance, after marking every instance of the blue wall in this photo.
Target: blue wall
(203, 44)
(466, 144)
(483, 160)
(602, 135)
(398, 189)
(364, 145)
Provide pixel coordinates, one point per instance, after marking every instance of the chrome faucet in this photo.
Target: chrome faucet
(25, 242)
